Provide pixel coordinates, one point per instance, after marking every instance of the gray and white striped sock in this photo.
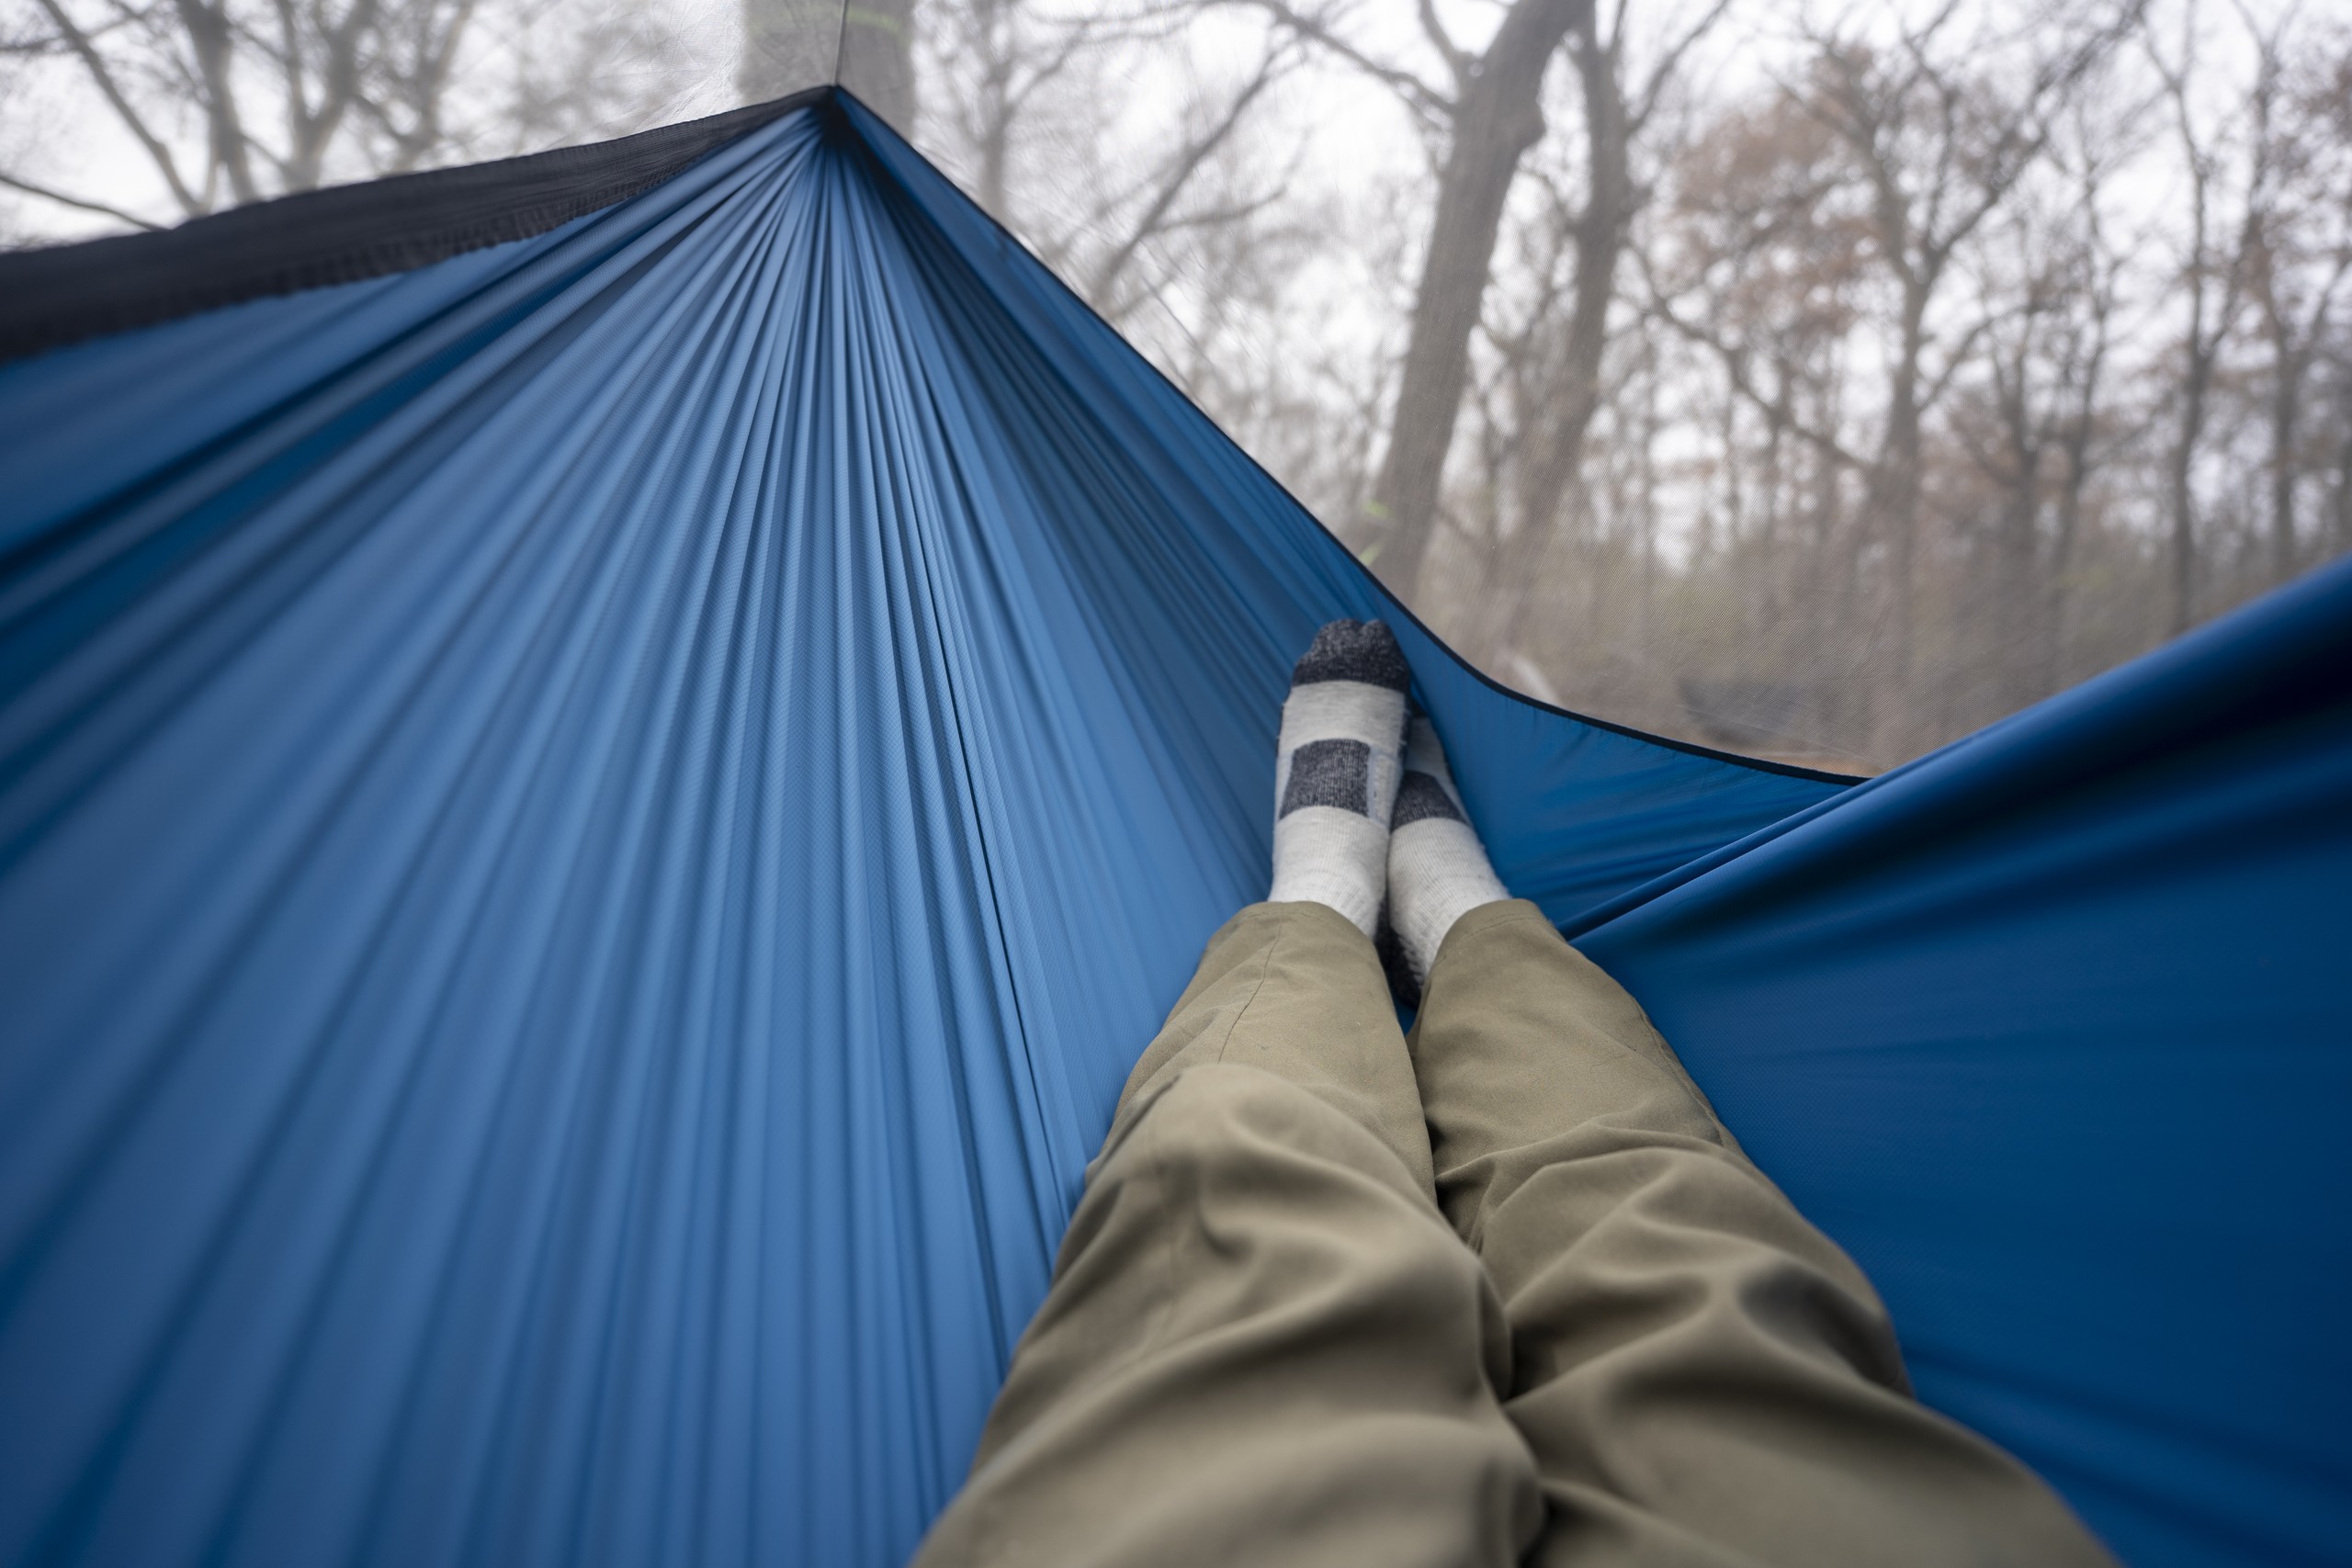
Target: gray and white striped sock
(1336, 767)
(1438, 870)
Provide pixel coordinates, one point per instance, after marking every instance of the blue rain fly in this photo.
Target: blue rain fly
(588, 830)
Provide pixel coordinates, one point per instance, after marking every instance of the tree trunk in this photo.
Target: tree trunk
(1894, 515)
(2081, 429)
(2285, 415)
(2058, 588)
(1646, 624)
(2017, 619)
(2183, 492)
(1498, 116)
(2021, 621)
(1600, 245)
(2197, 374)
(211, 40)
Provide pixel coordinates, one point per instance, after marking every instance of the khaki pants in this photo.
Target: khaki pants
(1507, 1291)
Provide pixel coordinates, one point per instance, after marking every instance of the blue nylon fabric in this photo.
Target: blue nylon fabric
(2051, 1031)
(587, 835)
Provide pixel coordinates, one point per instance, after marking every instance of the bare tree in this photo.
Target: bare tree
(228, 101)
(2085, 428)
(2048, 282)
(1134, 214)
(2329, 97)
(1938, 147)
(315, 71)
(993, 60)
(2298, 250)
(1135, 209)
(1829, 445)
(1486, 113)
(1555, 406)
(1493, 115)
(2213, 272)
(1929, 142)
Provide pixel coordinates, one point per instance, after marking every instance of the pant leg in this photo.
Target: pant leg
(1702, 1376)
(1263, 1344)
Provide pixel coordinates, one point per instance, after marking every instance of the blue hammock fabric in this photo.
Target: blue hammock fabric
(589, 829)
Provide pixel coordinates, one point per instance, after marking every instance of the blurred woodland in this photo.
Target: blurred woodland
(1811, 381)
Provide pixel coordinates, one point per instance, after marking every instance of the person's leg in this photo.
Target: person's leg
(1702, 1375)
(1263, 1343)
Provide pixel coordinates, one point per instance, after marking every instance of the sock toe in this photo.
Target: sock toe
(1337, 767)
(1362, 651)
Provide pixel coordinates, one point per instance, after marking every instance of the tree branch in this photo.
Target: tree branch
(29, 189)
(84, 51)
(207, 34)
(1417, 94)
(1457, 63)
(1667, 63)
(1178, 174)
(1735, 363)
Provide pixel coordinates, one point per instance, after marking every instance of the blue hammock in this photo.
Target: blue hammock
(590, 825)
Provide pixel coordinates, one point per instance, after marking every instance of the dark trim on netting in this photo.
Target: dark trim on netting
(63, 294)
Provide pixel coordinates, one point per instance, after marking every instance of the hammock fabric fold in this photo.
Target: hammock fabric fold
(597, 793)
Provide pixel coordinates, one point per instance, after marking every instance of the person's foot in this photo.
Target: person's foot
(1336, 769)
(1438, 870)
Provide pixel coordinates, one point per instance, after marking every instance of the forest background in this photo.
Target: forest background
(1822, 382)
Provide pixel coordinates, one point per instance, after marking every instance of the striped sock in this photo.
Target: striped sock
(1437, 869)
(1335, 771)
